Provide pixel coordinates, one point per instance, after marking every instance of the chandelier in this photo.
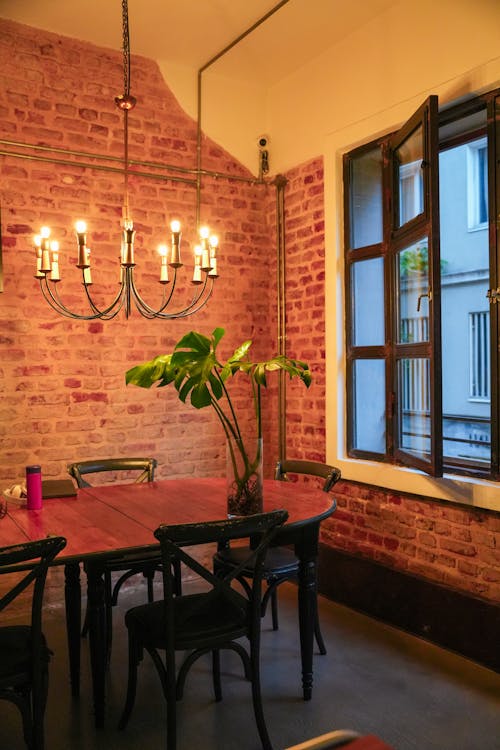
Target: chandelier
(205, 253)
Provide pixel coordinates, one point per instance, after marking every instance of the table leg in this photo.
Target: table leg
(97, 638)
(307, 602)
(72, 600)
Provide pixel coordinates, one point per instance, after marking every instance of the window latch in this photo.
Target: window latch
(421, 296)
(493, 295)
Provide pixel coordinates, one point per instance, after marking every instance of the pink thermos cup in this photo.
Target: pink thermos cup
(33, 487)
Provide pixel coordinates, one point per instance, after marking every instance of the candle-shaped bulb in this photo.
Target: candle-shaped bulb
(45, 266)
(38, 250)
(214, 244)
(175, 255)
(128, 245)
(83, 258)
(37, 240)
(163, 250)
(198, 252)
(205, 257)
(87, 276)
(54, 247)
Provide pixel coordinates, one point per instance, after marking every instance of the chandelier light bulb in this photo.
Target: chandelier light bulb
(175, 226)
(45, 233)
(81, 227)
(204, 232)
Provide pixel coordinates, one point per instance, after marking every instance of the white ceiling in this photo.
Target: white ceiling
(191, 32)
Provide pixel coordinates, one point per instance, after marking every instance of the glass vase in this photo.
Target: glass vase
(244, 477)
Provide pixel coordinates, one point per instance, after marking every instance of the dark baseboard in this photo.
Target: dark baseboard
(450, 619)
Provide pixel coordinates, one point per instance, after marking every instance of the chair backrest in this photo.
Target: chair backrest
(330, 474)
(33, 559)
(146, 467)
(174, 539)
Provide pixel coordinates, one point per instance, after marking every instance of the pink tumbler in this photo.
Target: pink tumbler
(33, 487)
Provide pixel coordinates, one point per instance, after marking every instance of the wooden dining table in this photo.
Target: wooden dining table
(105, 522)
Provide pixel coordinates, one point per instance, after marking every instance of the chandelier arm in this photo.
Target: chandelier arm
(149, 312)
(54, 300)
(112, 309)
(54, 303)
(190, 310)
(141, 304)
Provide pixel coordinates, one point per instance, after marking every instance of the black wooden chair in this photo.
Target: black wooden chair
(145, 563)
(205, 622)
(24, 654)
(281, 564)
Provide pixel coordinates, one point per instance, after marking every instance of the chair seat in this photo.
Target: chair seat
(15, 652)
(279, 561)
(220, 619)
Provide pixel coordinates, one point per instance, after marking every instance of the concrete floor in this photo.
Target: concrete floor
(374, 679)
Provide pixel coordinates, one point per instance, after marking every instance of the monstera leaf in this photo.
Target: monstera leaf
(197, 372)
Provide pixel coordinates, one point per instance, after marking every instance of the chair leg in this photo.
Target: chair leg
(177, 577)
(108, 587)
(318, 635)
(257, 700)
(274, 608)
(133, 661)
(85, 627)
(39, 699)
(216, 675)
(149, 576)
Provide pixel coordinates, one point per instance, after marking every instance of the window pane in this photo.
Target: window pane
(465, 327)
(412, 294)
(369, 405)
(410, 177)
(368, 302)
(414, 406)
(366, 199)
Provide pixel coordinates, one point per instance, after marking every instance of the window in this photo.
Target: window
(479, 355)
(477, 185)
(422, 374)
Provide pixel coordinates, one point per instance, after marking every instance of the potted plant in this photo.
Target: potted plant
(195, 370)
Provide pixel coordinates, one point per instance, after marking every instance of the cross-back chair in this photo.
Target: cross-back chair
(24, 654)
(130, 564)
(281, 564)
(204, 622)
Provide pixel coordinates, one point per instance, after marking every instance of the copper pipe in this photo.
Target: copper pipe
(280, 182)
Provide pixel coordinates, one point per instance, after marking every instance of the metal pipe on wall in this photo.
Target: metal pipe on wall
(280, 183)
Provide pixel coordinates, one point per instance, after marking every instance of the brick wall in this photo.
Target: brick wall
(305, 310)
(63, 394)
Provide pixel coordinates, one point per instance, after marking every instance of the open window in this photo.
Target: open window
(415, 344)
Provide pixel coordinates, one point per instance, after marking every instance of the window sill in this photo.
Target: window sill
(468, 491)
